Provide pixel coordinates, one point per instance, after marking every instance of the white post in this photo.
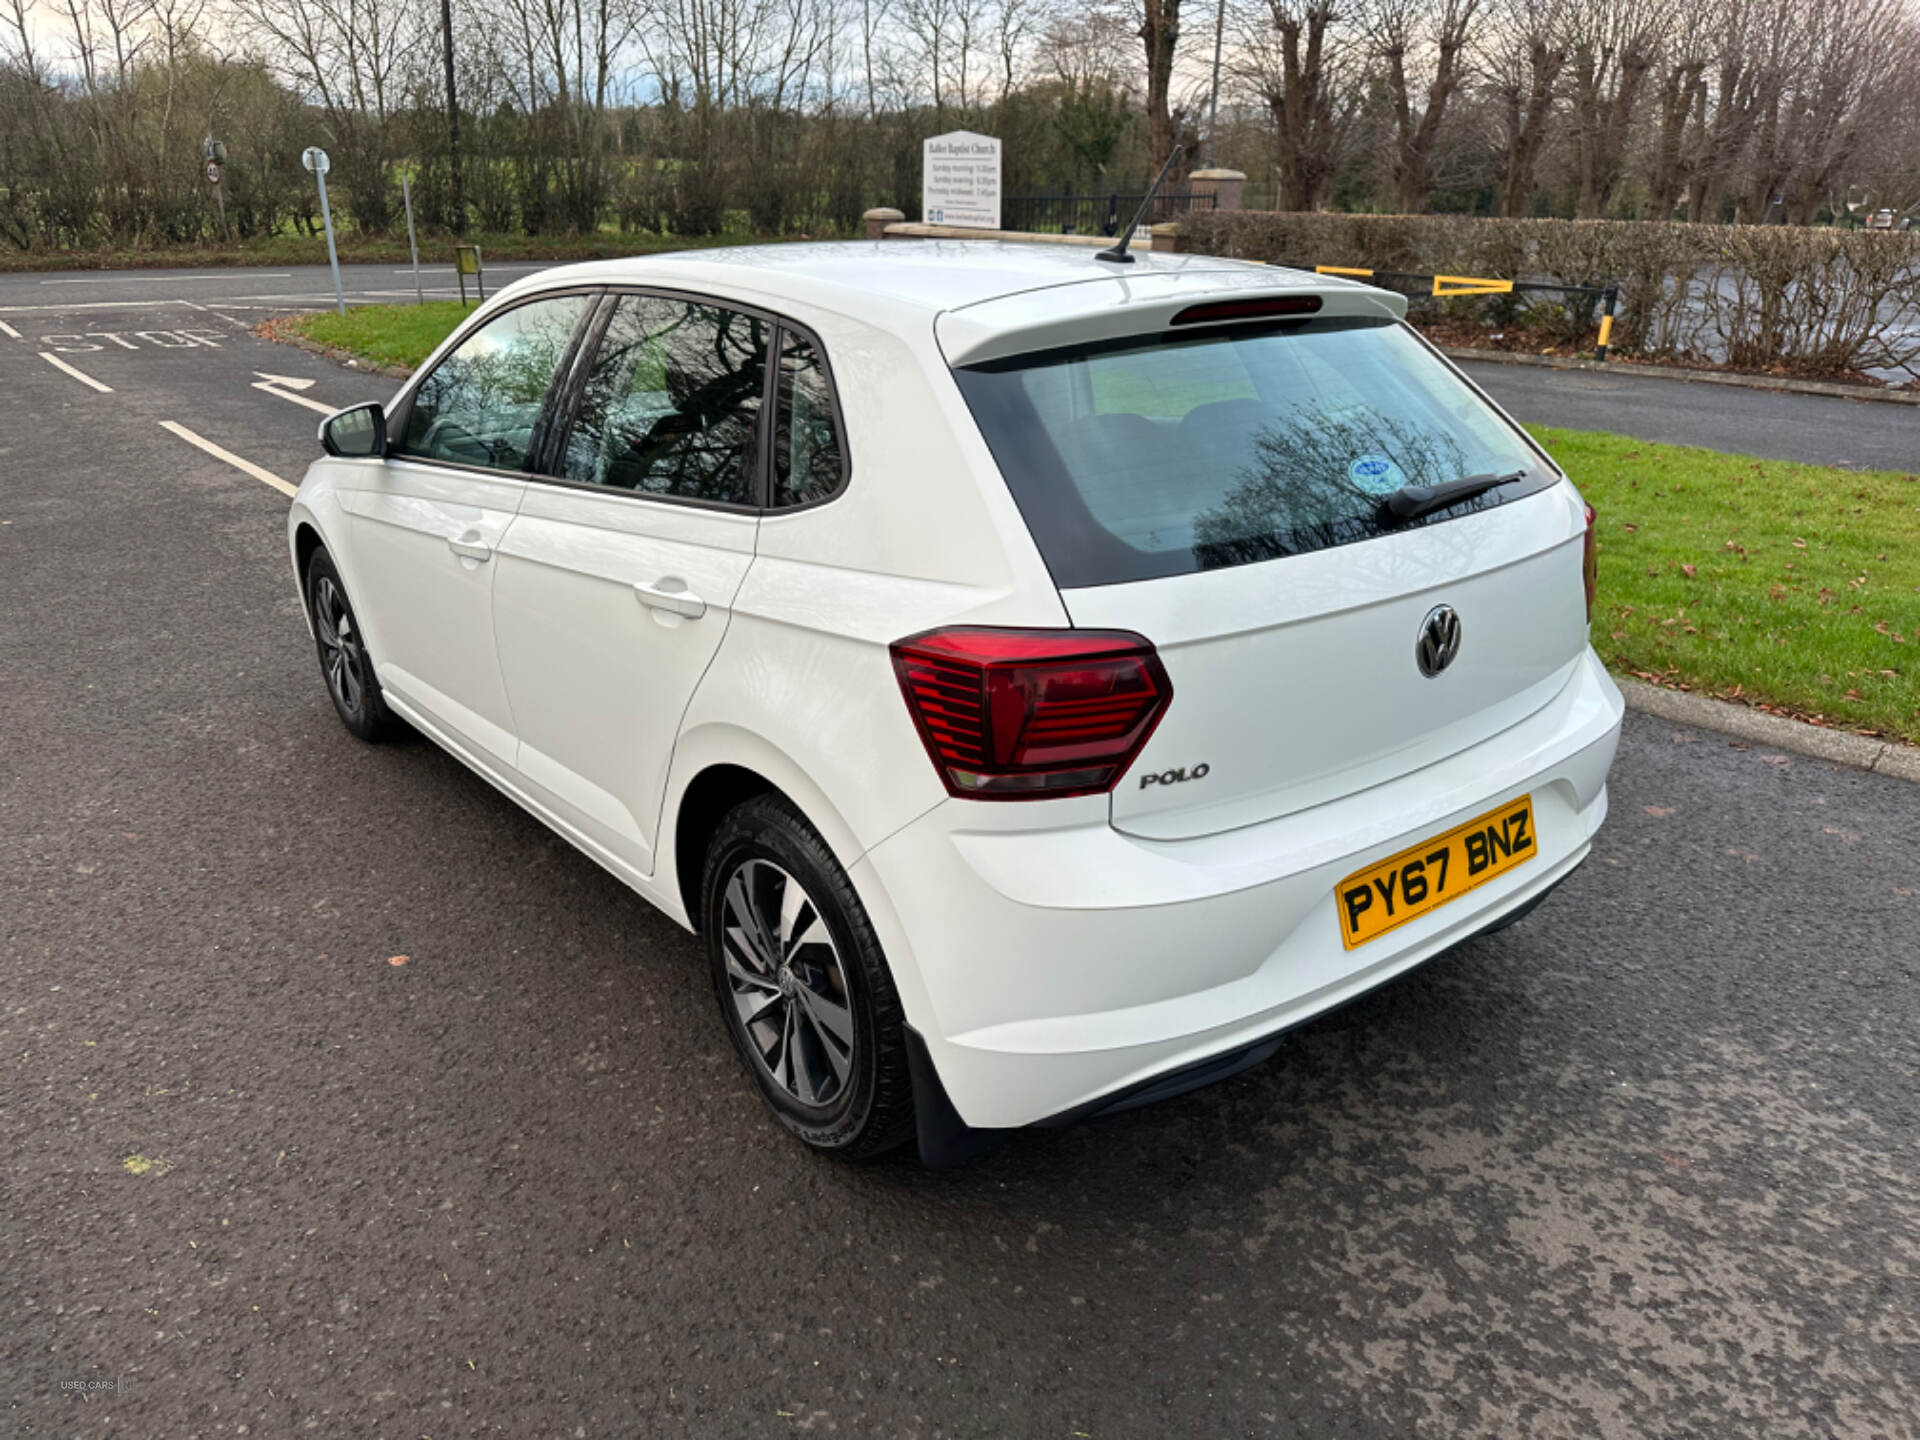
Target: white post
(406, 195)
(333, 256)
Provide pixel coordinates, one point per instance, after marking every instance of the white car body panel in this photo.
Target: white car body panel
(598, 675)
(1049, 953)
(434, 608)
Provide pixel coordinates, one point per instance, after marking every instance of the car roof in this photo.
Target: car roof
(893, 284)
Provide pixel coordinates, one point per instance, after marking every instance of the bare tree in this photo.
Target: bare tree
(1403, 34)
(1613, 44)
(1523, 56)
(1296, 61)
(1159, 39)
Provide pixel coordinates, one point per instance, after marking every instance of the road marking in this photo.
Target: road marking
(286, 382)
(80, 375)
(9, 330)
(245, 467)
(163, 279)
(267, 388)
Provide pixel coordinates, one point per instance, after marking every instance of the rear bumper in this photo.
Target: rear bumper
(1049, 972)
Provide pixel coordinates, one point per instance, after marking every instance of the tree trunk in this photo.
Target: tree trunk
(1682, 91)
(1527, 118)
(1159, 34)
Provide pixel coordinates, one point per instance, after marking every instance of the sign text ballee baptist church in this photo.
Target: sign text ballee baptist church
(960, 180)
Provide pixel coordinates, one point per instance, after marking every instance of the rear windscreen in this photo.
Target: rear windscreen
(1194, 452)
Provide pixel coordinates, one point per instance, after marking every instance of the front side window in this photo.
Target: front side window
(672, 403)
(808, 461)
(482, 402)
(1176, 453)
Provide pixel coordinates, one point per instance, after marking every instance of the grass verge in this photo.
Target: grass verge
(435, 249)
(388, 336)
(1789, 587)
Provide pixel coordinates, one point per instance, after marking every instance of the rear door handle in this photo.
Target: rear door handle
(470, 547)
(672, 594)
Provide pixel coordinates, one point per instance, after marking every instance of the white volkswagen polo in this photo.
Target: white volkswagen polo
(1041, 681)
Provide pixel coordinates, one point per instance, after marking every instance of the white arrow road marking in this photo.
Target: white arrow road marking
(6, 329)
(245, 467)
(285, 382)
(267, 388)
(80, 375)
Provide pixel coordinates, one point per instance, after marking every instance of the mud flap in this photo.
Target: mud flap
(946, 1141)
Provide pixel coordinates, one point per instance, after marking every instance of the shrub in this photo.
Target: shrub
(1772, 297)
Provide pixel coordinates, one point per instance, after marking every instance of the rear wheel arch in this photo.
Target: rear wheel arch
(728, 769)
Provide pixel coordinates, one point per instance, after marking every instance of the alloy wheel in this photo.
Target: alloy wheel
(342, 656)
(788, 985)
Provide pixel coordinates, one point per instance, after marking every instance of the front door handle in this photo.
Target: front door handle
(470, 546)
(670, 593)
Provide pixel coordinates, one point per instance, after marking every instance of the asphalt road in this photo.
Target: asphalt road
(1773, 424)
(1647, 1164)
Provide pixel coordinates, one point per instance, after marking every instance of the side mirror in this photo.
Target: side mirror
(358, 433)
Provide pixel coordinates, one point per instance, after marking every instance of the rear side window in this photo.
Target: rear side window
(482, 401)
(671, 405)
(1194, 452)
(809, 461)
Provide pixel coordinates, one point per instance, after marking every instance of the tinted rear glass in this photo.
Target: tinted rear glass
(1194, 452)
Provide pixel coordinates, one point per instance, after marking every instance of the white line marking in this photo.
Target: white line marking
(286, 382)
(245, 467)
(164, 279)
(85, 305)
(264, 387)
(9, 330)
(80, 375)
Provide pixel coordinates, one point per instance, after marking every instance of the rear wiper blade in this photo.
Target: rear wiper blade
(1410, 502)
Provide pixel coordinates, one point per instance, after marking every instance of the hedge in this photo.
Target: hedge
(1768, 297)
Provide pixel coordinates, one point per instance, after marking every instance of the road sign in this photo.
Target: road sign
(213, 172)
(960, 180)
(315, 159)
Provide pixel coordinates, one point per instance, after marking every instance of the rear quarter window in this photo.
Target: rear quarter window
(1176, 453)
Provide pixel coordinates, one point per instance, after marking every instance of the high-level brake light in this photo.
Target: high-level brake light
(1031, 714)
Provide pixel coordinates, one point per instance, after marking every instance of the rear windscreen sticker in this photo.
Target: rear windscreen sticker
(1376, 475)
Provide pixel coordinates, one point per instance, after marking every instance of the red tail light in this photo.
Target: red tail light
(1031, 714)
(1590, 564)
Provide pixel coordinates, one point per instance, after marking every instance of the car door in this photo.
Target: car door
(426, 522)
(616, 579)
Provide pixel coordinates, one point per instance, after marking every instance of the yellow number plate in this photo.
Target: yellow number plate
(1386, 896)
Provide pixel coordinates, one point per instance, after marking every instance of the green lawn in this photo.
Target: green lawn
(399, 336)
(1796, 586)
(1790, 585)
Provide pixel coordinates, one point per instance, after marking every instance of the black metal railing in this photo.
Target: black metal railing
(1094, 214)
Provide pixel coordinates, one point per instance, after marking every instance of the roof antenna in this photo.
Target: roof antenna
(1118, 254)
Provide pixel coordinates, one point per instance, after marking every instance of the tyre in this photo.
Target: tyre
(803, 985)
(345, 664)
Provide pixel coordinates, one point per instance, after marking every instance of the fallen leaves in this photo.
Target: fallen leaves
(398, 959)
(1659, 812)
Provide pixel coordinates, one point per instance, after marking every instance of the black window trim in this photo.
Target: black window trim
(566, 397)
(789, 327)
(401, 411)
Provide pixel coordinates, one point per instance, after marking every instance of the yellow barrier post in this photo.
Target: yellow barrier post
(1606, 323)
